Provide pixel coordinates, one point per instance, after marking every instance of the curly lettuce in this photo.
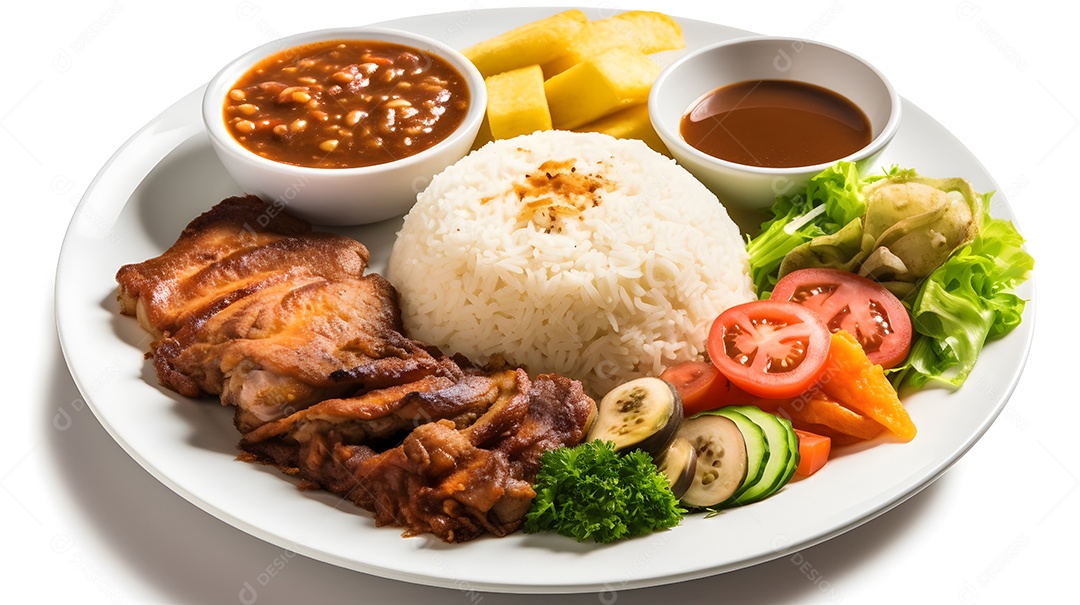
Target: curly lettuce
(832, 199)
(967, 301)
(592, 492)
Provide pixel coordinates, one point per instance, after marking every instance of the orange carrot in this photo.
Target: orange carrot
(813, 452)
(838, 439)
(817, 408)
(852, 380)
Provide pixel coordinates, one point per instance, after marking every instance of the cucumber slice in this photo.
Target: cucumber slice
(793, 443)
(757, 448)
(778, 468)
(721, 459)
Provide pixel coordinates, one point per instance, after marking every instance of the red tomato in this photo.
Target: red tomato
(702, 387)
(861, 306)
(769, 348)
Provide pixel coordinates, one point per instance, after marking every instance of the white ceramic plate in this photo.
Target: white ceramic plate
(167, 174)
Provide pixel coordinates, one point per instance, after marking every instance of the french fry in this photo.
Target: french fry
(516, 102)
(614, 79)
(630, 123)
(536, 42)
(648, 31)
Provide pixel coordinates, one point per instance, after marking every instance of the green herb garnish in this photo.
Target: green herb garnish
(592, 492)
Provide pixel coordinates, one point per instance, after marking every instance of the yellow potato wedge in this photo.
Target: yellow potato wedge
(630, 123)
(516, 102)
(536, 42)
(647, 31)
(600, 85)
(651, 31)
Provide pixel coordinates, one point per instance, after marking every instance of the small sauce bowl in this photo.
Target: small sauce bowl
(749, 188)
(337, 195)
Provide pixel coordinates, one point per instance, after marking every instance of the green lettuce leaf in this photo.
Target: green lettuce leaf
(965, 302)
(831, 199)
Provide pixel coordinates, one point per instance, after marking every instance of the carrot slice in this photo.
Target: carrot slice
(851, 379)
(818, 408)
(815, 412)
(838, 439)
(813, 452)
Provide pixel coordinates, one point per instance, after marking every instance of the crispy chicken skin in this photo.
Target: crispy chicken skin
(265, 314)
(444, 479)
(161, 290)
(284, 324)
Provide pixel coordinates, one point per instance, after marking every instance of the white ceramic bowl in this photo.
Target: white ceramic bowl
(341, 196)
(755, 188)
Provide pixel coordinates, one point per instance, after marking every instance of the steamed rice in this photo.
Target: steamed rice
(576, 253)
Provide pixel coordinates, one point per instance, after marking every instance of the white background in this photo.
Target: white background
(83, 522)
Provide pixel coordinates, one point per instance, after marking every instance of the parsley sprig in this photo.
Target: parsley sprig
(592, 492)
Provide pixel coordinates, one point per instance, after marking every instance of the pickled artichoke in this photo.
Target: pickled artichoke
(912, 224)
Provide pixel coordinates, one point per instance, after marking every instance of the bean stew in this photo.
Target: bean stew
(346, 104)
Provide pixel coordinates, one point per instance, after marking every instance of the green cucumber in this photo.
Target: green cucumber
(793, 446)
(793, 443)
(757, 449)
(720, 465)
(780, 468)
(783, 454)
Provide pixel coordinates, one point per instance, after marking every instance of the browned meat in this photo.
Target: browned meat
(381, 413)
(453, 482)
(283, 324)
(162, 290)
(293, 344)
(268, 315)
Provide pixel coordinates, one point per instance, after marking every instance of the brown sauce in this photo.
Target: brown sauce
(776, 124)
(346, 103)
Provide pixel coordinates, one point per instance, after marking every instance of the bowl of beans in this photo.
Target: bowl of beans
(344, 126)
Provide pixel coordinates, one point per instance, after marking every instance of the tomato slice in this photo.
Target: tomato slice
(769, 348)
(851, 302)
(702, 387)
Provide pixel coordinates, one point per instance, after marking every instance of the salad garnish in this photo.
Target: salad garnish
(930, 241)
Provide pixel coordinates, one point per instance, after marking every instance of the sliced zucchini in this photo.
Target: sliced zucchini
(644, 413)
(757, 448)
(783, 452)
(721, 459)
(679, 463)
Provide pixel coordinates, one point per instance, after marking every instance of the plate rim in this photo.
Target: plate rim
(61, 316)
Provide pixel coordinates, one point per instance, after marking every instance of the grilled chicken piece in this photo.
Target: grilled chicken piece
(443, 479)
(268, 315)
(163, 290)
(381, 413)
(283, 323)
(293, 344)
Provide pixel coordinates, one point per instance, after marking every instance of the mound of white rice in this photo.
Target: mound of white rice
(574, 253)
